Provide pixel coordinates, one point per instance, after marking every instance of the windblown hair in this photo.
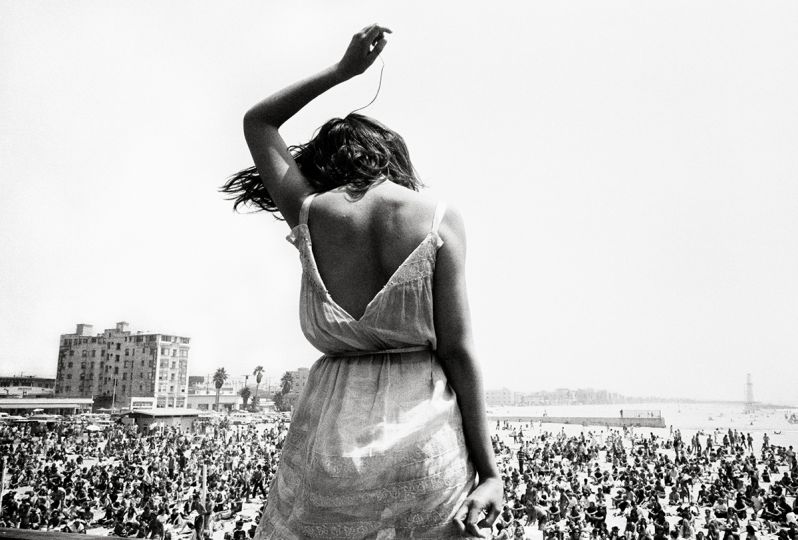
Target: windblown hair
(355, 152)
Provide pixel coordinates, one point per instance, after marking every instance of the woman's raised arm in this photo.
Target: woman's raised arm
(276, 167)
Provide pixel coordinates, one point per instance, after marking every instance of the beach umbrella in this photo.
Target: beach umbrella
(93, 427)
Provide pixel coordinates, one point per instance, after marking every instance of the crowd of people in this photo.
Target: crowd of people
(612, 484)
(212, 482)
(153, 484)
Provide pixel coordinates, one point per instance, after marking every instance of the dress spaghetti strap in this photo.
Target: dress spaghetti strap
(440, 210)
(303, 211)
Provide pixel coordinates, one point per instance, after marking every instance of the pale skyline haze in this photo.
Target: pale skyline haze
(627, 172)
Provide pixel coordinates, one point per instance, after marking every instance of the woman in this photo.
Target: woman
(391, 428)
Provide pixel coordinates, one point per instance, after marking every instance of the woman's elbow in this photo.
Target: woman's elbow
(459, 353)
(250, 121)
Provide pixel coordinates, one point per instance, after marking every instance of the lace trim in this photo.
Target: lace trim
(398, 492)
(435, 523)
(419, 264)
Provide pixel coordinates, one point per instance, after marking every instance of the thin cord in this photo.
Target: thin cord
(378, 88)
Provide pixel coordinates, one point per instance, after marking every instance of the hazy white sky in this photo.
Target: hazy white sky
(628, 172)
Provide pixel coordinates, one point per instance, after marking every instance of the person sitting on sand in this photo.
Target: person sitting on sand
(720, 508)
(770, 513)
(502, 531)
(519, 533)
(575, 516)
(673, 498)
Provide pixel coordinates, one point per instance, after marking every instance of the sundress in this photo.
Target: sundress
(375, 448)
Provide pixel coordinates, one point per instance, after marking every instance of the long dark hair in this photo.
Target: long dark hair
(355, 151)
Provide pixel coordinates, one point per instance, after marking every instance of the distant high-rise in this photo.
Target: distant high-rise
(750, 404)
(123, 369)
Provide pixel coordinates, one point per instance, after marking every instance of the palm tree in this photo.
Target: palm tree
(258, 373)
(286, 382)
(218, 381)
(245, 394)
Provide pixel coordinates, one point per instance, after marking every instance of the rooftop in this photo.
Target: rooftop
(165, 411)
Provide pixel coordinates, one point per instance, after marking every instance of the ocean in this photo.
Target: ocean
(687, 417)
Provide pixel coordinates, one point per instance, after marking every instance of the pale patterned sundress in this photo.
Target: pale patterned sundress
(375, 449)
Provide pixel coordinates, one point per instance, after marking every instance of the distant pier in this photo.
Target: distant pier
(635, 419)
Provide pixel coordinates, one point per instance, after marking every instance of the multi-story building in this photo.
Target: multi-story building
(500, 398)
(119, 368)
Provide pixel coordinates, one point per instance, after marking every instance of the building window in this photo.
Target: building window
(127, 352)
(84, 353)
(118, 346)
(117, 358)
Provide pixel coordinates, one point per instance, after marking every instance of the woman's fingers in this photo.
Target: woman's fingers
(487, 523)
(373, 32)
(379, 47)
(474, 513)
(460, 517)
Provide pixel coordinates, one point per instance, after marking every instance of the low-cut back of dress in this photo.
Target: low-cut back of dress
(375, 449)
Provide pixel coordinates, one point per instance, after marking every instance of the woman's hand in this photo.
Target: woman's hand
(363, 50)
(487, 498)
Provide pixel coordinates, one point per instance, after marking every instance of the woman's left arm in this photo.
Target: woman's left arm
(278, 170)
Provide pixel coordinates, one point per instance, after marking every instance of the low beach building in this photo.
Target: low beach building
(26, 386)
(63, 406)
(164, 417)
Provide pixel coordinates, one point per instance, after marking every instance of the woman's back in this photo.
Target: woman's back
(368, 268)
(359, 244)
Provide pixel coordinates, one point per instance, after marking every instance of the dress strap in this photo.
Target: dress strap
(303, 211)
(440, 210)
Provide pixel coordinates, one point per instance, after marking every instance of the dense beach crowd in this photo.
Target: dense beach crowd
(593, 484)
(641, 486)
(122, 482)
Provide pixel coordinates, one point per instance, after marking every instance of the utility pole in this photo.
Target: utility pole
(3, 474)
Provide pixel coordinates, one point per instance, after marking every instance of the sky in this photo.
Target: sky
(627, 172)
